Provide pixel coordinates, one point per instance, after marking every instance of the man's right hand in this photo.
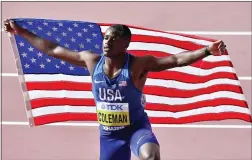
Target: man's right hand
(11, 27)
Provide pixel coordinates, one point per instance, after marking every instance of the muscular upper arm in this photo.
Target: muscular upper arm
(150, 63)
(77, 58)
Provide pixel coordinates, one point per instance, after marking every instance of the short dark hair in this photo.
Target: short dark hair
(123, 30)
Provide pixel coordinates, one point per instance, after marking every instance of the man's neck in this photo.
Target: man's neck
(113, 65)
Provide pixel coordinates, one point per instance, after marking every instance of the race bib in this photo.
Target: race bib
(113, 114)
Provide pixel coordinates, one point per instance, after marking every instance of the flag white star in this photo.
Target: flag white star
(24, 54)
(91, 25)
(39, 28)
(58, 39)
(26, 65)
(94, 34)
(66, 45)
(71, 68)
(97, 46)
(30, 49)
(21, 44)
(85, 30)
(30, 23)
(75, 25)
(48, 60)
(60, 24)
(88, 40)
(42, 65)
(49, 33)
(54, 29)
(72, 39)
(33, 60)
(76, 50)
(70, 29)
(81, 45)
(39, 54)
(57, 66)
(45, 24)
(79, 34)
(62, 62)
(64, 34)
(34, 32)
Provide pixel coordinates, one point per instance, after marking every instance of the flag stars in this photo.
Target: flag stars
(42, 65)
(64, 34)
(81, 45)
(34, 32)
(30, 49)
(30, 23)
(58, 39)
(76, 50)
(48, 60)
(66, 45)
(21, 44)
(71, 68)
(24, 54)
(39, 28)
(57, 66)
(75, 25)
(91, 25)
(27, 65)
(79, 34)
(70, 29)
(72, 39)
(33, 60)
(39, 54)
(54, 29)
(88, 40)
(49, 33)
(85, 30)
(62, 62)
(60, 24)
(94, 34)
(45, 24)
(97, 46)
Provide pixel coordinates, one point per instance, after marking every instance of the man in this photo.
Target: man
(118, 79)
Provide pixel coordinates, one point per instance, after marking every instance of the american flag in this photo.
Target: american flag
(56, 91)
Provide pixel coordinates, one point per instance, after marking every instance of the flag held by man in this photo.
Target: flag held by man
(56, 91)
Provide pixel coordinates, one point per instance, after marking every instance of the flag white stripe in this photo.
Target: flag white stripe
(149, 81)
(160, 34)
(36, 94)
(92, 109)
(154, 47)
(170, 49)
(201, 72)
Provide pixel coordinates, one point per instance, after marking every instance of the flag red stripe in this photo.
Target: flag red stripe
(189, 119)
(186, 45)
(198, 64)
(187, 78)
(43, 102)
(173, 92)
(196, 105)
(59, 85)
(152, 90)
(201, 117)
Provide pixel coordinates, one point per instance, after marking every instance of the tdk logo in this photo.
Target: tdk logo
(112, 107)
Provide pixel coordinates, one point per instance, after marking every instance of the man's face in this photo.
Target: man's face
(113, 44)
